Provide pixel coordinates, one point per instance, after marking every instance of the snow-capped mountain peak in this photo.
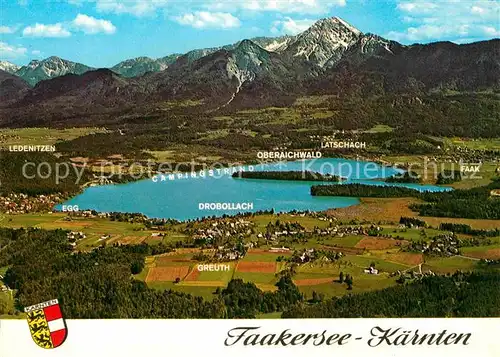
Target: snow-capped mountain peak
(279, 44)
(325, 39)
(48, 68)
(139, 66)
(347, 25)
(8, 67)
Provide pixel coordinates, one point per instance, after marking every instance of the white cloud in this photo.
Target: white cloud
(41, 30)
(283, 6)
(36, 52)
(290, 26)
(454, 20)
(418, 7)
(87, 24)
(150, 7)
(11, 51)
(491, 31)
(204, 19)
(477, 10)
(7, 29)
(133, 7)
(486, 11)
(91, 25)
(430, 32)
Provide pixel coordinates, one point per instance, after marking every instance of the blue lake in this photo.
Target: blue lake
(180, 198)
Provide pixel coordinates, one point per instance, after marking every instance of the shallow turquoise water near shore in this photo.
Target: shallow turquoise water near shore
(180, 198)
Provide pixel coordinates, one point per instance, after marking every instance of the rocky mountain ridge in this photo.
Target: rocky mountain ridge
(331, 57)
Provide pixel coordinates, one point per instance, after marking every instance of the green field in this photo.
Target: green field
(361, 283)
(346, 241)
(318, 276)
(93, 228)
(223, 276)
(478, 144)
(304, 274)
(258, 278)
(411, 234)
(43, 136)
(382, 265)
(309, 223)
(485, 251)
(434, 167)
(449, 265)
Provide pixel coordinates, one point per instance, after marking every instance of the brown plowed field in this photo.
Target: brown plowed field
(487, 254)
(376, 210)
(256, 267)
(264, 251)
(343, 250)
(167, 273)
(377, 243)
(411, 259)
(193, 275)
(309, 282)
(167, 260)
(179, 251)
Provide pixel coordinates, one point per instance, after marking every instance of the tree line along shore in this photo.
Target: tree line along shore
(287, 176)
(474, 203)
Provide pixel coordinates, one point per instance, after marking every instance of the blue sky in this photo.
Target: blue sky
(101, 33)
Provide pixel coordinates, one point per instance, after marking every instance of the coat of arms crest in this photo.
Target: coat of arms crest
(46, 323)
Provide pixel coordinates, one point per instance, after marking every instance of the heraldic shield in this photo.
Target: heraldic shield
(46, 323)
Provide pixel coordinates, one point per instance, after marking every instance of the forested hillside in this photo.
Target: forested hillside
(38, 173)
(462, 295)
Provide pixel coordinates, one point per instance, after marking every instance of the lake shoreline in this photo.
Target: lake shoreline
(181, 197)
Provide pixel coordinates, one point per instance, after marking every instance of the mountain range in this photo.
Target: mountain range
(327, 38)
(51, 67)
(330, 57)
(9, 67)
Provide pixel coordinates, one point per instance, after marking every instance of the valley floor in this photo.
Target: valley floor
(347, 233)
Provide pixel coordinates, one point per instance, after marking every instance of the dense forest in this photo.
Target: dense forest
(417, 122)
(466, 229)
(475, 203)
(406, 177)
(447, 177)
(38, 173)
(101, 284)
(361, 190)
(287, 175)
(412, 222)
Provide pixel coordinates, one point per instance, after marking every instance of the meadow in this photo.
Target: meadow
(94, 228)
(178, 270)
(43, 136)
(260, 267)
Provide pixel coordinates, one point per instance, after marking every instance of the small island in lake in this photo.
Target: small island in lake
(406, 177)
(288, 176)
